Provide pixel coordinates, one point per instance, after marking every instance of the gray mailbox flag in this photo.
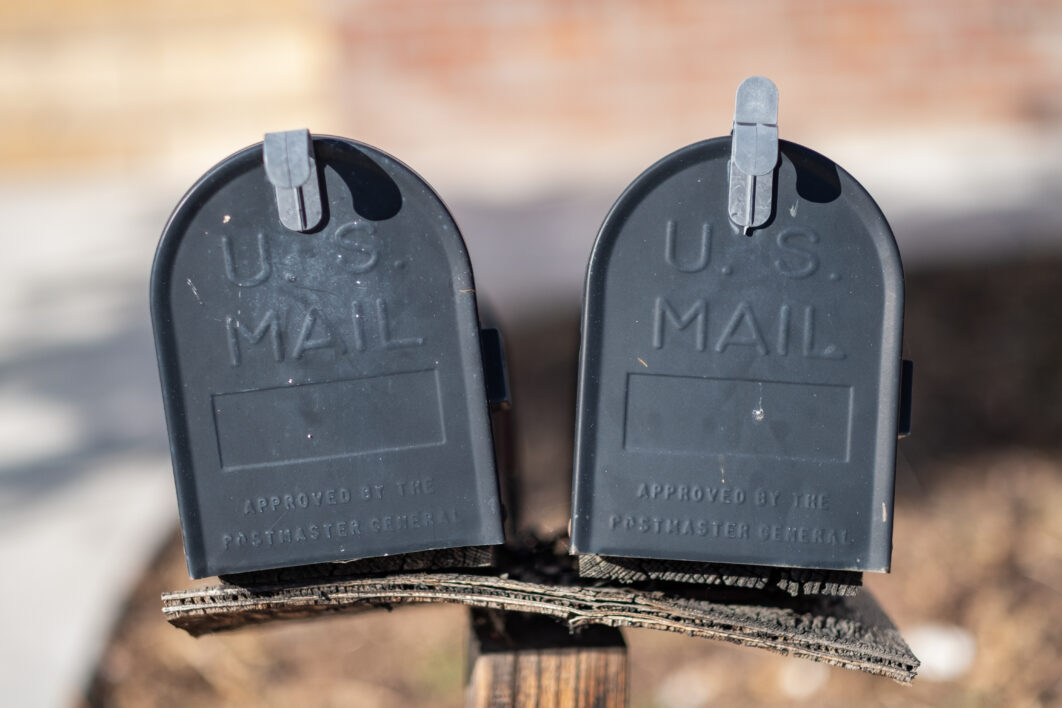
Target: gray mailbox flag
(318, 343)
(738, 394)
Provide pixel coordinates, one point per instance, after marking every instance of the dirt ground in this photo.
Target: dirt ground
(978, 545)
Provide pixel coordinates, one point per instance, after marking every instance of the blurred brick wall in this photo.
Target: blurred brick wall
(600, 77)
(610, 67)
(506, 87)
(129, 82)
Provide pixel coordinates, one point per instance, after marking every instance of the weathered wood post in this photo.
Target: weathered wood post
(518, 659)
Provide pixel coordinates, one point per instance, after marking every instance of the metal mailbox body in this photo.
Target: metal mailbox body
(324, 390)
(738, 394)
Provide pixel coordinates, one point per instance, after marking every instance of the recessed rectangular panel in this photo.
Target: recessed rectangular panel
(692, 415)
(326, 420)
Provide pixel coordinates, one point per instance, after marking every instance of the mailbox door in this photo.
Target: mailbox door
(323, 390)
(738, 394)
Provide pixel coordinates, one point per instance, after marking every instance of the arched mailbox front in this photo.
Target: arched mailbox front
(318, 343)
(738, 393)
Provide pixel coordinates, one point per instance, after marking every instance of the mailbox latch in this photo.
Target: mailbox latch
(753, 153)
(292, 170)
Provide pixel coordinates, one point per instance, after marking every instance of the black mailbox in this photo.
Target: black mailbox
(740, 367)
(318, 342)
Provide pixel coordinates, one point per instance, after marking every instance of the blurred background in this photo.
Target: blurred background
(529, 118)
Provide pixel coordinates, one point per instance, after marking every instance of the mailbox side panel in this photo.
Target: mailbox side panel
(737, 395)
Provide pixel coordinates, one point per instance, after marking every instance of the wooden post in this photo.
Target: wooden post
(518, 659)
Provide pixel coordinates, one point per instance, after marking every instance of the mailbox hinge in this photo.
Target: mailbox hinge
(753, 153)
(495, 368)
(903, 415)
(292, 170)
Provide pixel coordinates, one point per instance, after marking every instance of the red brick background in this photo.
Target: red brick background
(539, 87)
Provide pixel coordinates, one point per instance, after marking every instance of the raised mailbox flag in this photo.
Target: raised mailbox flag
(739, 379)
(318, 343)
